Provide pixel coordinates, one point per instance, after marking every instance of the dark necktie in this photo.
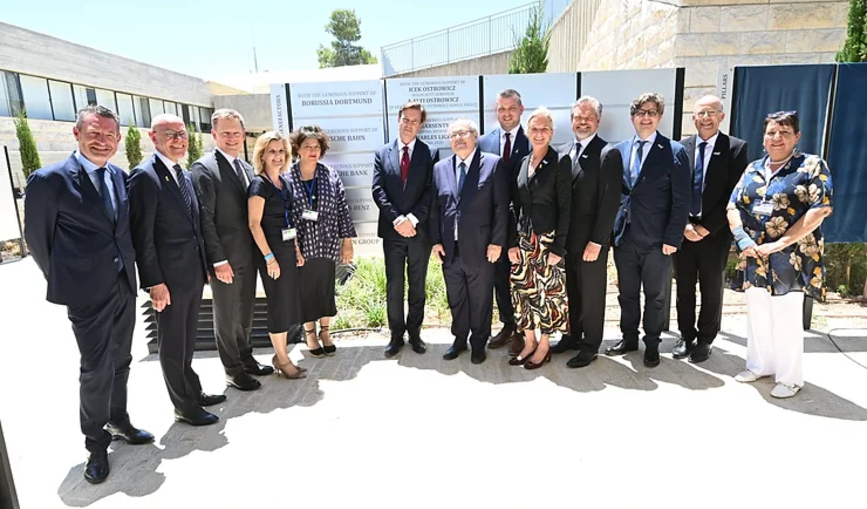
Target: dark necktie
(184, 187)
(697, 180)
(106, 196)
(507, 149)
(242, 176)
(404, 165)
(463, 176)
(636, 163)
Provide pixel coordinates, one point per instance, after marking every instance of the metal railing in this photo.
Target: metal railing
(485, 36)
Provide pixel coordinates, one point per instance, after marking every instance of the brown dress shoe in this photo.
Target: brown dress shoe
(517, 344)
(503, 337)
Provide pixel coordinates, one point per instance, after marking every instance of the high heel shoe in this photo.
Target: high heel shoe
(518, 361)
(317, 352)
(532, 365)
(283, 370)
(277, 366)
(328, 349)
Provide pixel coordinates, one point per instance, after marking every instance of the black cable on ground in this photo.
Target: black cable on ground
(831, 338)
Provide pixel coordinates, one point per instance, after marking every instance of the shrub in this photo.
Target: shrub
(26, 144)
(132, 144)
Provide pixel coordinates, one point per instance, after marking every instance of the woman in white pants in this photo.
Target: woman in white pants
(775, 213)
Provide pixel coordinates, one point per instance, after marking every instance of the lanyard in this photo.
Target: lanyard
(310, 188)
(282, 193)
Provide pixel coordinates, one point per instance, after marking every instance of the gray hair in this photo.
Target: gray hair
(542, 111)
(99, 111)
(510, 93)
(592, 101)
(472, 126)
(228, 114)
(652, 97)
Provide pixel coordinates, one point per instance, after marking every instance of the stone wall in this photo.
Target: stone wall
(498, 63)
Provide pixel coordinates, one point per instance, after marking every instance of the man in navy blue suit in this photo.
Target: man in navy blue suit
(510, 143)
(402, 173)
(76, 220)
(170, 254)
(648, 229)
(469, 218)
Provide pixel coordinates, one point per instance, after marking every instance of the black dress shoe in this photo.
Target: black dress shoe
(478, 356)
(210, 399)
(565, 344)
(453, 352)
(254, 368)
(651, 357)
(96, 469)
(417, 345)
(700, 352)
(583, 359)
(621, 348)
(200, 417)
(243, 382)
(682, 348)
(503, 337)
(129, 433)
(393, 347)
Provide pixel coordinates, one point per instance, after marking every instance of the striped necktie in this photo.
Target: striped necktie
(184, 186)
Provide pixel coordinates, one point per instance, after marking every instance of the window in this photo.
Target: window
(142, 111)
(83, 96)
(8, 94)
(156, 108)
(36, 99)
(195, 118)
(205, 122)
(171, 108)
(106, 98)
(61, 100)
(125, 109)
(185, 114)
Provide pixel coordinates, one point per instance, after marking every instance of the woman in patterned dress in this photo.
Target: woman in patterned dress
(541, 197)
(775, 214)
(325, 233)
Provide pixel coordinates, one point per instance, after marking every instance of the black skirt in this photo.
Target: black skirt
(317, 289)
(284, 308)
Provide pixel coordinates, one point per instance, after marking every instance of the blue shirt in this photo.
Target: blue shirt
(91, 168)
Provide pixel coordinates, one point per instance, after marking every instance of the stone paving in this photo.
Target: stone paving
(418, 431)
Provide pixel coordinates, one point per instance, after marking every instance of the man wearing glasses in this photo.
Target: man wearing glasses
(402, 173)
(648, 229)
(469, 218)
(717, 161)
(170, 254)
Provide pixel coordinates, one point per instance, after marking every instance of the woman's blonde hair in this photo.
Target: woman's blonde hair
(262, 143)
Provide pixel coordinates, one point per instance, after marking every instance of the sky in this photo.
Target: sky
(214, 39)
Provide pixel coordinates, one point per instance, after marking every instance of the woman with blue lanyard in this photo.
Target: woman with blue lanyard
(325, 233)
(775, 214)
(268, 210)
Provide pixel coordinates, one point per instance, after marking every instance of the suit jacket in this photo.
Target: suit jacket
(167, 238)
(596, 176)
(223, 210)
(545, 199)
(481, 211)
(490, 143)
(73, 240)
(392, 198)
(728, 161)
(657, 206)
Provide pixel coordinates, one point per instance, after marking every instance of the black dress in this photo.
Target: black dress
(282, 294)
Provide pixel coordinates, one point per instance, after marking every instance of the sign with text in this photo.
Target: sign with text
(555, 91)
(336, 99)
(280, 110)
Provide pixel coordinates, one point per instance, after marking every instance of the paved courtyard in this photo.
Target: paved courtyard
(418, 431)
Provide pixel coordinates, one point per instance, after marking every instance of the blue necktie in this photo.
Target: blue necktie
(184, 187)
(463, 176)
(636, 163)
(697, 180)
(106, 196)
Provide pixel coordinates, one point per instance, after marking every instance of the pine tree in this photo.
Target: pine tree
(855, 47)
(345, 26)
(194, 150)
(531, 51)
(133, 147)
(26, 144)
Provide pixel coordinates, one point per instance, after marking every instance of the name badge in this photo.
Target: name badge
(763, 209)
(310, 215)
(289, 234)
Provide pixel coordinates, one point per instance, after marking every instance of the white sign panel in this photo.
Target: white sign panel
(355, 170)
(9, 226)
(366, 242)
(350, 134)
(555, 91)
(280, 109)
(361, 205)
(725, 81)
(617, 89)
(314, 101)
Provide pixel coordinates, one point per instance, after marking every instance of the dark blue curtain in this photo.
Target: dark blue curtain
(763, 90)
(847, 157)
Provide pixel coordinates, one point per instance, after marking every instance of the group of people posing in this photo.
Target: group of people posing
(508, 216)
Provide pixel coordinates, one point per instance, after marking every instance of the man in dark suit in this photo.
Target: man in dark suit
(221, 179)
(649, 225)
(511, 144)
(164, 216)
(402, 173)
(76, 220)
(469, 220)
(717, 163)
(596, 175)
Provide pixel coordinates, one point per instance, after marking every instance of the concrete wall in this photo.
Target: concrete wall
(255, 108)
(569, 35)
(498, 63)
(37, 54)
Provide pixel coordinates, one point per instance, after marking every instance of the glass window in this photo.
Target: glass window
(205, 122)
(194, 110)
(106, 98)
(142, 111)
(156, 108)
(81, 96)
(185, 114)
(36, 99)
(125, 110)
(171, 108)
(61, 100)
(5, 99)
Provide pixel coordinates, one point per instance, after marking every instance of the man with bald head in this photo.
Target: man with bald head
(717, 162)
(164, 217)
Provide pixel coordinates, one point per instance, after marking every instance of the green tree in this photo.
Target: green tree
(855, 47)
(133, 147)
(531, 50)
(194, 150)
(346, 28)
(26, 144)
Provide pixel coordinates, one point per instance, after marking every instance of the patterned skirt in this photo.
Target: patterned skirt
(539, 289)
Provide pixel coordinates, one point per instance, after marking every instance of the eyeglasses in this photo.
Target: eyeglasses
(460, 134)
(706, 113)
(782, 113)
(406, 120)
(647, 113)
(175, 135)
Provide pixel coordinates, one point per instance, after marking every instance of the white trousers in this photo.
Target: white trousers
(775, 335)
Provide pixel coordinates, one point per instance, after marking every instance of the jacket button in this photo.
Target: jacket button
(115, 260)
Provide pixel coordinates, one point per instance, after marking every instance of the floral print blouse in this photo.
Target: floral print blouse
(802, 184)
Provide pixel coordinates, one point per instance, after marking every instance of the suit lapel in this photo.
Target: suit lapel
(715, 168)
(655, 151)
(689, 145)
(523, 172)
(227, 168)
(576, 166)
(472, 179)
(626, 155)
(394, 158)
(451, 181)
(90, 192)
(414, 161)
(171, 185)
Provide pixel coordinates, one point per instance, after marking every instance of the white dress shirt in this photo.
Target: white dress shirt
(169, 164)
(512, 134)
(90, 169)
(411, 146)
(231, 160)
(708, 152)
(458, 162)
(644, 150)
(581, 146)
